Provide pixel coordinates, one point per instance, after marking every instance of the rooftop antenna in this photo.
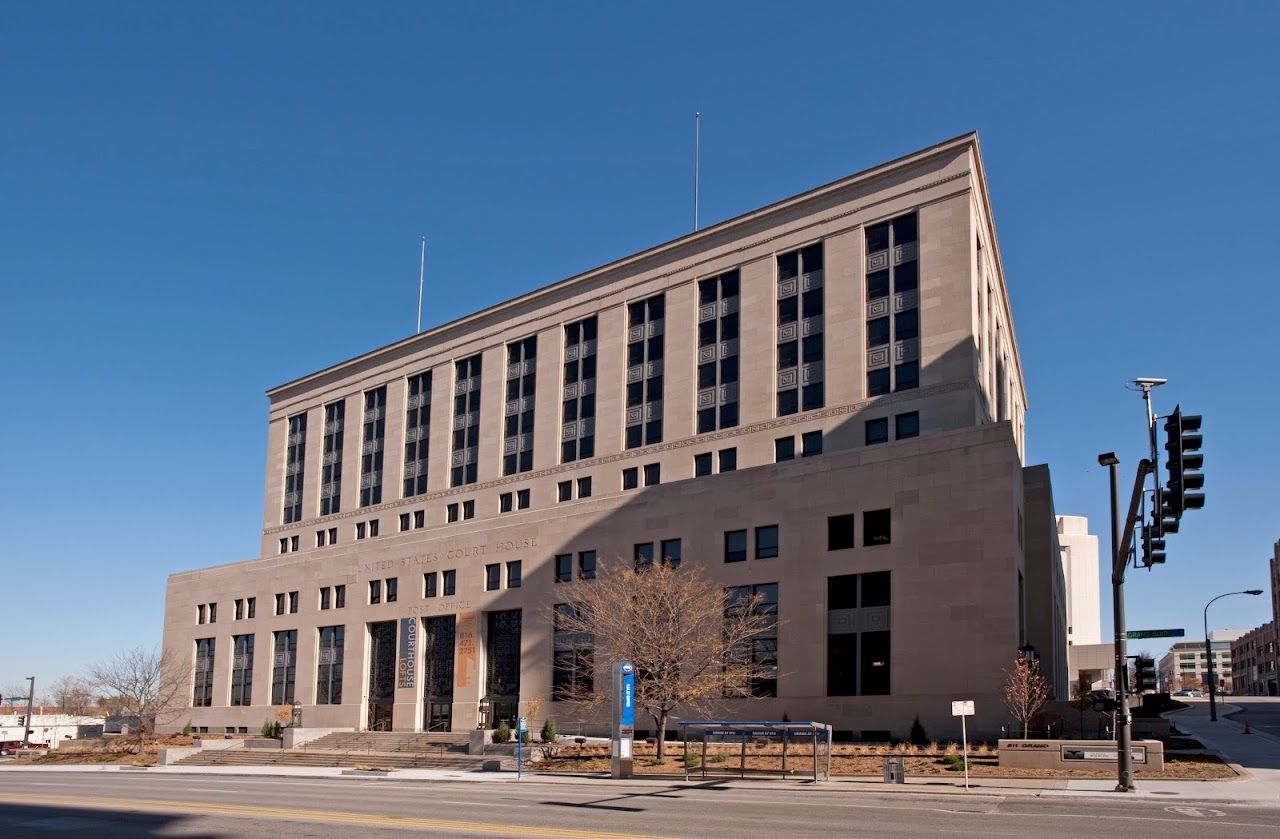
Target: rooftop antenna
(697, 162)
(422, 264)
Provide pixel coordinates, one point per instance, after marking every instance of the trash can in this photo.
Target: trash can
(895, 769)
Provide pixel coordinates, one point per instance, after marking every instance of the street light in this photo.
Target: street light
(1208, 651)
(1124, 766)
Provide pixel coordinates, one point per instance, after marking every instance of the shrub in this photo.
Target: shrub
(548, 731)
(502, 734)
(526, 736)
(271, 728)
(954, 762)
(716, 758)
(918, 736)
(693, 761)
(187, 729)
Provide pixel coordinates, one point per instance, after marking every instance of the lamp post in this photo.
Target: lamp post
(1208, 651)
(1124, 757)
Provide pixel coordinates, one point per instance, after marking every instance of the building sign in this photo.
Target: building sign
(1107, 754)
(962, 708)
(466, 670)
(407, 665)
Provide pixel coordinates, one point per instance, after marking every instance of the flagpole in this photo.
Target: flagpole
(697, 162)
(422, 264)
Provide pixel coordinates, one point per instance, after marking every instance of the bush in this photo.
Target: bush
(918, 736)
(693, 761)
(954, 762)
(526, 736)
(717, 758)
(502, 734)
(187, 729)
(548, 732)
(271, 728)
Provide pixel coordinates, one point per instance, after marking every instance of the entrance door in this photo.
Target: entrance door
(382, 674)
(437, 680)
(503, 672)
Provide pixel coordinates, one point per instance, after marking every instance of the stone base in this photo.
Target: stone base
(1077, 754)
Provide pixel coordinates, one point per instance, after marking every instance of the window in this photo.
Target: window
(784, 448)
(735, 546)
(572, 655)
(339, 597)
(203, 695)
(239, 609)
(907, 425)
(893, 281)
(284, 545)
(564, 491)
(671, 552)
(644, 555)
(811, 443)
(251, 607)
(877, 431)
(333, 536)
(717, 396)
(429, 582)
(586, 565)
(293, 603)
(466, 422)
(392, 586)
(702, 464)
(522, 499)
(320, 534)
(375, 591)
(294, 461)
(329, 666)
(840, 532)
(375, 429)
(326, 594)
(513, 574)
(630, 478)
(404, 522)
(504, 502)
(280, 604)
(449, 582)
(875, 528)
(645, 320)
(468, 509)
(517, 438)
(241, 670)
(729, 460)
(652, 474)
(578, 424)
(284, 667)
(331, 470)
(200, 613)
(584, 487)
(762, 651)
(767, 541)
(858, 636)
(800, 307)
(419, 519)
(360, 530)
(492, 577)
(417, 434)
(451, 513)
(564, 568)
(293, 543)
(373, 528)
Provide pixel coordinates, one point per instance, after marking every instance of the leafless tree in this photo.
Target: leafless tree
(1025, 691)
(139, 683)
(72, 695)
(693, 643)
(1082, 699)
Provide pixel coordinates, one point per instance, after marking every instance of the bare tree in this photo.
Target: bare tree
(1082, 699)
(693, 643)
(72, 695)
(139, 683)
(1025, 691)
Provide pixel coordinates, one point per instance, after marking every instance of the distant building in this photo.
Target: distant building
(1185, 665)
(48, 729)
(1253, 662)
(1080, 567)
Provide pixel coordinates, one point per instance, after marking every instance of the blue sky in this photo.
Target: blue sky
(200, 202)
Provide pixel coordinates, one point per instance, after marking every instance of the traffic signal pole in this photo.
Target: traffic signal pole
(31, 697)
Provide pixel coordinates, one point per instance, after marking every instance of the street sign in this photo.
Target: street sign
(1155, 633)
(962, 708)
(523, 725)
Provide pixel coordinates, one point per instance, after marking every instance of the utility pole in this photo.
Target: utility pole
(31, 698)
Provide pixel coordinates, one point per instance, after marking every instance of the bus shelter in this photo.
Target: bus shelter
(792, 735)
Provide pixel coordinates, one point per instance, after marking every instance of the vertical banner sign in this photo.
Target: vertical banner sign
(406, 666)
(624, 719)
(627, 717)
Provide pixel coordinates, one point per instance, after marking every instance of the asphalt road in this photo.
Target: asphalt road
(105, 805)
(1261, 712)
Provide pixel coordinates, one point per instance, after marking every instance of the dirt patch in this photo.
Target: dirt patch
(853, 760)
(113, 750)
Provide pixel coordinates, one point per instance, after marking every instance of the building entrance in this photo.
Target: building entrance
(437, 676)
(502, 673)
(382, 675)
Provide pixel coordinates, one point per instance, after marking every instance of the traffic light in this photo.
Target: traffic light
(1153, 544)
(22, 720)
(1184, 465)
(1144, 674)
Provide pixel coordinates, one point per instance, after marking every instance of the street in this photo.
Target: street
(1261, 712)
(126, 804)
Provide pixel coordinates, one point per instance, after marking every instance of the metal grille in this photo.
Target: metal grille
(295, 460)
(374, 433)
(800, 330)
(382, 674)
(331, 472)
(437, 682)
(242, 670)
(284, 667)
(645, 351)
(893, 305)
(718, 302)
(329, 665)
(517, 434)
(578, 425)
(464, 462)
(417, 431)
(502, 683)
(203, 695)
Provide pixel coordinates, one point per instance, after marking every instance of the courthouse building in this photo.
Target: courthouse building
(820, 401)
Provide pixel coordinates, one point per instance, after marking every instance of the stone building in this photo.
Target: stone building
(820, 400)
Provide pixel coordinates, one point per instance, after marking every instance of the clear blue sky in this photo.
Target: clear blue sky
(200, 202)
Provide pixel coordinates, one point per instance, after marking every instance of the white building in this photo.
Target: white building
(48, 729)
(1080, 566)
